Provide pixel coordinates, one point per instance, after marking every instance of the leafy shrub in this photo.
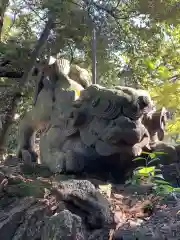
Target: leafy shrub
(151, 174)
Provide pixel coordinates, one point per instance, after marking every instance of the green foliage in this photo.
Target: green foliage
(154, 65)
(147, 172)
(131, 30)
(158, 10)
(151, 174)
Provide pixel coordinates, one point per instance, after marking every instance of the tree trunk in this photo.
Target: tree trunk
(3, 6)
(8, 103)
(94, 69)
(37, 50)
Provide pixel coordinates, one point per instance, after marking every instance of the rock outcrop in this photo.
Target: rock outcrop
(37, 208)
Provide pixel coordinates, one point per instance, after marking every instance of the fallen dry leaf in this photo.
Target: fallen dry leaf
(105, 189)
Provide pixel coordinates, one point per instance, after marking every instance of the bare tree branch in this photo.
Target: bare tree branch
(32, 9)
(37, 50)
(71, 51)
(174, 78)
(117, 5)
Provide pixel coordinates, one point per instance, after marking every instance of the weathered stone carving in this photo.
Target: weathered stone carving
(54, 92)
(156, 127)
(103, 122)
(112, 124)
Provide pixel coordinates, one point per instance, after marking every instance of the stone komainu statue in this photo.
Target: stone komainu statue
(87, 123)
(53, 83)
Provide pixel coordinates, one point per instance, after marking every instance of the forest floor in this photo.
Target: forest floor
(138, 213)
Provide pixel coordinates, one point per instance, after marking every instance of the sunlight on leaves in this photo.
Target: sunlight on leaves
(146, 171)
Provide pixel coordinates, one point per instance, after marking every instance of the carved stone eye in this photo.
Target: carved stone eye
(143, 102)
(95, 102)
